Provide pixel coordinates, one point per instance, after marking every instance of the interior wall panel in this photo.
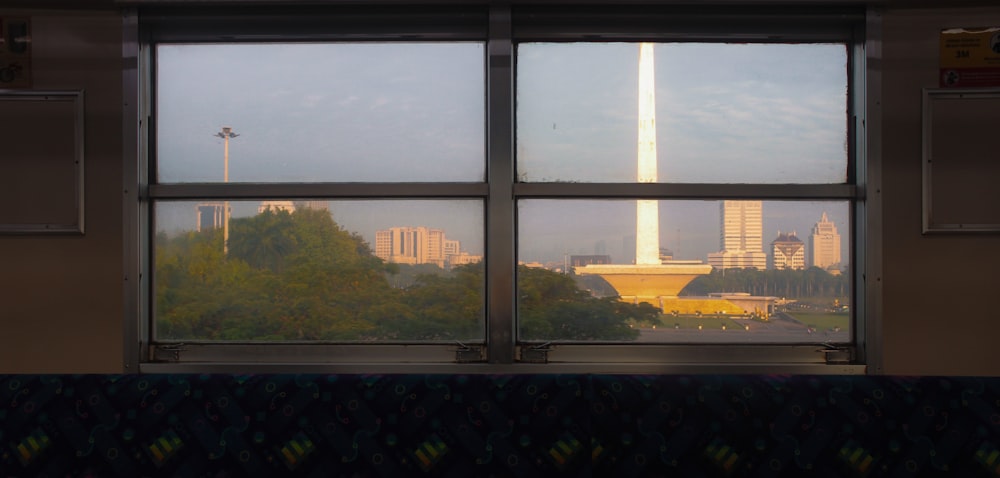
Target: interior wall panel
(61, 296)
(939, 302)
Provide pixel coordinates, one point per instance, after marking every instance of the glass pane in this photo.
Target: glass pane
(319, 271)
(716, 112)
(387, 112)
(686, 271)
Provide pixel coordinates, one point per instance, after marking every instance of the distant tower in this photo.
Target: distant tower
(210, 215)
(788, 252)
(600, 248)
(741, 238)
(647, 223)
(824, 244)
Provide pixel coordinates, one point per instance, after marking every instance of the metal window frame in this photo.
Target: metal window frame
(500, 27)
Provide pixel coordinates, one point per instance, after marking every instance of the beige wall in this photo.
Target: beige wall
(61, 306)
(939, 303)
(61, 297)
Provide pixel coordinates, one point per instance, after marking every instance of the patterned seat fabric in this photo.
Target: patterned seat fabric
(497, 425)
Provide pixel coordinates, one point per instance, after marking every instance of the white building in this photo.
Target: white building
(462, 258)
(418, 245)
(788, 252)
(741, 238)
(276, 206)
(824, 244)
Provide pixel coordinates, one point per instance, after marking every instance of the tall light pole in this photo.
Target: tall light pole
(225, 134)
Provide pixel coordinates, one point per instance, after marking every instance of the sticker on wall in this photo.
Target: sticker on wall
(970, 57)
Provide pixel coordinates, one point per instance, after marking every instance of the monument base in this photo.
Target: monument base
(647, 283)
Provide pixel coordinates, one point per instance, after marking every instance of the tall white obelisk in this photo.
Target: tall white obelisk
(648, 280)
(647, 221)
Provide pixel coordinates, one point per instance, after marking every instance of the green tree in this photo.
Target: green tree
(299, 276)
(809, 283)
(551, 307)
(440, 307)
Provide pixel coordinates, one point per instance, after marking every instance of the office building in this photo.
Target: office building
(824, 244)
(420, 245)
(741, 236)
(788, 252)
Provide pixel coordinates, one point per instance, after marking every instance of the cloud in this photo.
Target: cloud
(279, 93)
(312, 101)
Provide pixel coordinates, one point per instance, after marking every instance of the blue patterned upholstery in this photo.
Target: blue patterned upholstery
(497, 425)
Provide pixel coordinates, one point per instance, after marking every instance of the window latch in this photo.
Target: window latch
(536, 353)
(168, 353)
(837, 355)
(467, 354)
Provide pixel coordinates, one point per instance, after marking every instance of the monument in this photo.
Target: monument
(649, 279)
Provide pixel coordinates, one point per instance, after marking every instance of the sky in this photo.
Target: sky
(725, 113)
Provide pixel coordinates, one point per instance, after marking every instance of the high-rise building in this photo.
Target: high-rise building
(276, 206)
(824, 244)
(419, 245)
(210, 215)
(452, 247)
(788, 252)
(628, 248)
(741, 238)
(600, 248)
(317, 205)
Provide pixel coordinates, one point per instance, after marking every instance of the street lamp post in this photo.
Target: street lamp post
(225, 134)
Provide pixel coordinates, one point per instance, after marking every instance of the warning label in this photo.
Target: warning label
(970, 57)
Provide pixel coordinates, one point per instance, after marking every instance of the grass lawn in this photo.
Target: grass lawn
(821, 321)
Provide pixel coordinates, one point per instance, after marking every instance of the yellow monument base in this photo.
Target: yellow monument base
(701, 305)
(647, 283)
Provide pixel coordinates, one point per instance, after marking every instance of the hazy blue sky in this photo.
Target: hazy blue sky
(726, 113)
(731, 113)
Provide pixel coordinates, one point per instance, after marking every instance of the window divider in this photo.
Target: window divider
(500, 234)
(317, 190)
(692, 191)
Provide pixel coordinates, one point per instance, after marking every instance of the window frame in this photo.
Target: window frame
(501, 29)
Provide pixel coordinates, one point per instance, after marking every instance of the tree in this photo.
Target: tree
(791, 283)
(299, 276)
(552, 307)
(288, 276)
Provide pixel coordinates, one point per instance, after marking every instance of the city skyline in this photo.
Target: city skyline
(575, 231)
